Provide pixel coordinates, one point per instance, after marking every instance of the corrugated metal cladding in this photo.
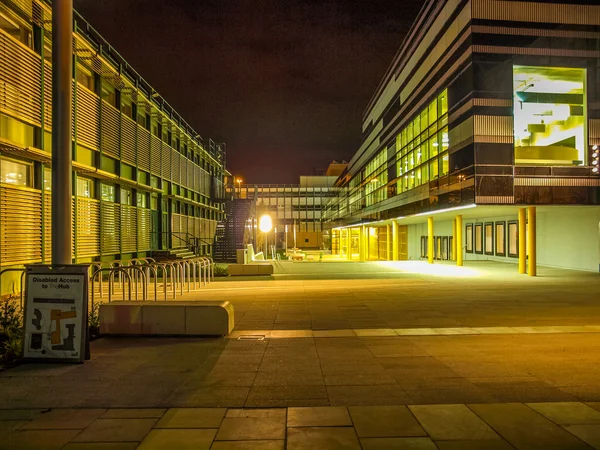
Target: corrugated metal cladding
(116, 144)
(541, 181)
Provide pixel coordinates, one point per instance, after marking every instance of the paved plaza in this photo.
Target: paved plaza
(340, 355)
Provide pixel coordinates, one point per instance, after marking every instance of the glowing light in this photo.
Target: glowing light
(431, 213)
(266, 224)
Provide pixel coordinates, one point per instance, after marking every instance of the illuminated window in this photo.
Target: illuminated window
(478, 238)
(108, 192)
(549, 115)
(500, 246)
(85, 188)
(489, 238)
(469, 238)
(16, 173)
(513, 239)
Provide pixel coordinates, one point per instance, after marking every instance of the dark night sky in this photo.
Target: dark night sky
(283, 82)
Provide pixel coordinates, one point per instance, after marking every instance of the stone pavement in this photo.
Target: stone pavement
(340, 355)
(493, 426)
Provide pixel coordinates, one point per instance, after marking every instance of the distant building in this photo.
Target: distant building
(488, 107)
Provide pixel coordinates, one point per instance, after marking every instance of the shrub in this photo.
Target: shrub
(221, 271)
(11, 332)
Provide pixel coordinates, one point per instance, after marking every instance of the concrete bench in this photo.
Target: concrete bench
(177, 318)
(249, 269)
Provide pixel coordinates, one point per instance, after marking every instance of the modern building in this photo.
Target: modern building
(144, 180)
(489, 108)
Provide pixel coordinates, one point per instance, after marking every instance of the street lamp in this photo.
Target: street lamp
(239, 182)
(265, 225)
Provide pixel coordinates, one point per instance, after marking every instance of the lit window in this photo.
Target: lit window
(108, 192)
(85, 188)
(16, 173)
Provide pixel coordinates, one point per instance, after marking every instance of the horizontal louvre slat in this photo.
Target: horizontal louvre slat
(110, 130)
(128, 146)
(143, 148)
(176, 166)
(88, 227)
(111, 228)
(88, 117)
(166, 163)
(128, 229)
(144, 224)
(155, 155)
(25, 244)
(20, 80)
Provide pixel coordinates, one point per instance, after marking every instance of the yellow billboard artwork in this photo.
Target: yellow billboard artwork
(549, 115)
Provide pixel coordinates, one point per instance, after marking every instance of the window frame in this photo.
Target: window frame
(502, 225)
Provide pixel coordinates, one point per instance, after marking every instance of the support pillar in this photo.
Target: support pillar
(453, 249)
(349, 244)
(459, 241)
(522, 241)
(361, 243)
(62, 88)
(430, 240)
(395, 243)
(388, 250)
(531, 241)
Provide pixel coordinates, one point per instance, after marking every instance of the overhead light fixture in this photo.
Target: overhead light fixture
(457, 208)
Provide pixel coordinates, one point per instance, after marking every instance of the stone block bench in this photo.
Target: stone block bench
(249, 269)
(176, 318)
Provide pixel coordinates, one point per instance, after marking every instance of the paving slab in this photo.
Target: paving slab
(322, 438)
(250, 428)
(589, 434)
(116, 430)
(180, 439)
(420, 443)
(37, 439)
(192, 418)
(385, 421)
(452, 422)
(567, 413)
(100, 446)
(326, 416)
(64, 419)
(524, 428)
(248, 445)
(134, 413)
(474, 445)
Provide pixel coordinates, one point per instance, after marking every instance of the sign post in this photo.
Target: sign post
(56, 313)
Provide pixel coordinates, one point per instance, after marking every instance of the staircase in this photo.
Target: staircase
(230, 233)
(176, 253)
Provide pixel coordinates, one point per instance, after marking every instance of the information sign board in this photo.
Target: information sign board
(56, 313)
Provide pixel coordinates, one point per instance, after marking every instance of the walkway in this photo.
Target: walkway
(381, 350)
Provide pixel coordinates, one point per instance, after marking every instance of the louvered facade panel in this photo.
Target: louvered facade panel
(128, 144)
(111, 228)
(20, 80)
(87, 227)
(47, 95)
(20, 226)
(175, 166)
(166, 163)
(155, 155)
(184, 163)
(143, 149)
(110, 130)
(87, 110)
(144, 228)
(128, 229)
(190, 175)
(183, 223)
(47, 231)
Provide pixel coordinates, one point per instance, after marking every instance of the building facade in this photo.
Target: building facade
(489, 107)
(296, 210)
(143, 178)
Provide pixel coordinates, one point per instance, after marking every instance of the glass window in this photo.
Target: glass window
(433, 169)
(489, 238)
(469, 238)
(417, 126)
(16, 173)
(108, 192)
(433, 111)
(478, 238)
(424, 119)
(126, 196)
(85, 188)
(443, 140)
(442, 103)
(434, 147)
(500, 246)
(513, 239)
(444, 163)
(47, 179)
(549, 115)
(141, 200)
(85, 77)
(109, 94)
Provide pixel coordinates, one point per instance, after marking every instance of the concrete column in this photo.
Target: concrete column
(430, 240)
(361, 243)
(459, 241)
(522, 241)
(349, 243)
(62, 88)
(395, 242)
(531, 241)
(453, 249)
(388, 250)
